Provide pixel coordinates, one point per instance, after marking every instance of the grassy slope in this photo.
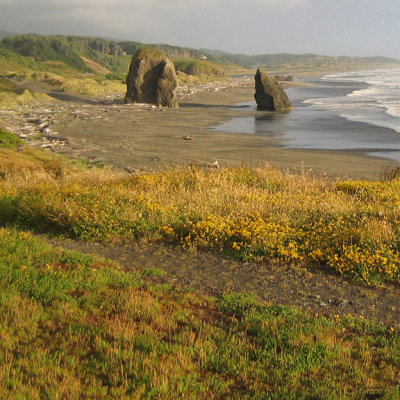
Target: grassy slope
(198, 67)
(75, 326)
(8, 140)
(54, 60)
(45, 48)
(263, 214)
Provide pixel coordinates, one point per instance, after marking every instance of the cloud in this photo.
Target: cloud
(325, 26)
(147, 4)
(126, 17)
(191, 3)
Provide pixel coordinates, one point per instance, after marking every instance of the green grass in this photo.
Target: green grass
(9, 140)
(144, 52)
(6, 85)
(78, 327)
(262, 214)
(45, 48)
(198, 67)
(75, 326)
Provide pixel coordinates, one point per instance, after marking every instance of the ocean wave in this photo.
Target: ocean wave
(378, 104)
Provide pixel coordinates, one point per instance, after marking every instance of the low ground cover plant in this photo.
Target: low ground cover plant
(351, 227)
(75, 326)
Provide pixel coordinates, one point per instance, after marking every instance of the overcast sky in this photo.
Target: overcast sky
(332, 27)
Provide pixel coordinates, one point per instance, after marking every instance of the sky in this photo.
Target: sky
(329, 27)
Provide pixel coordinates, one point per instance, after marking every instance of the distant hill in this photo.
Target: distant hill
(3, 34)
(61, 54)
(176, 52)
(75, 51)
(69, 50)
(302, 62)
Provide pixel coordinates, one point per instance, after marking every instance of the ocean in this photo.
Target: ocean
(377, 104)
(350, 111)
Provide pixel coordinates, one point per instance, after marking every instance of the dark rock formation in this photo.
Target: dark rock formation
(151, 79)
(269, 94)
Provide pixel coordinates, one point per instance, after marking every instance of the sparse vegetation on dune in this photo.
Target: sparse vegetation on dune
(93, 85)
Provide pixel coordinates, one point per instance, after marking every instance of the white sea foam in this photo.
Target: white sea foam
(378, 104)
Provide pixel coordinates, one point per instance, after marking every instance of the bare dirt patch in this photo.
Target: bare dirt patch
(316, 291)
(96, 67)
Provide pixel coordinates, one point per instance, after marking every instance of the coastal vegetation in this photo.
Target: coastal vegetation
(303, 63)
(76, 326)
(198, 67)
(262, 214)
(79, 326)
(94, 66)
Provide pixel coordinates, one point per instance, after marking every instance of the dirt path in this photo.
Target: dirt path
(316, 291)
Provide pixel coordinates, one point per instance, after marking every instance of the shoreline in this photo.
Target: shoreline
(143, 137)
(309, 127)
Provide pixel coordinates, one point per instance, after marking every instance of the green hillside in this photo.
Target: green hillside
(97, 66)
(198, 67)
(11, 61)
(69, 50)
(303, 62)
(45, 48)
(114, 56)
(3, 34)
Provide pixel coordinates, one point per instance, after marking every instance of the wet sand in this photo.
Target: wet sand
(130, 136)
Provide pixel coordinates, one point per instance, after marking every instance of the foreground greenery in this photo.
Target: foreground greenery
(77, 327)
(351, 227)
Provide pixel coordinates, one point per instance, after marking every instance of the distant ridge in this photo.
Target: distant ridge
(96, 55)
(4, 34)
(299, 61)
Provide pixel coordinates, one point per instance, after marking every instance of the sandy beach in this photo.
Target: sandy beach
(135, 137)
(223, 123)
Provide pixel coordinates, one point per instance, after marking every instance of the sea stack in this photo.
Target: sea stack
(151, 79)
(269, 94)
